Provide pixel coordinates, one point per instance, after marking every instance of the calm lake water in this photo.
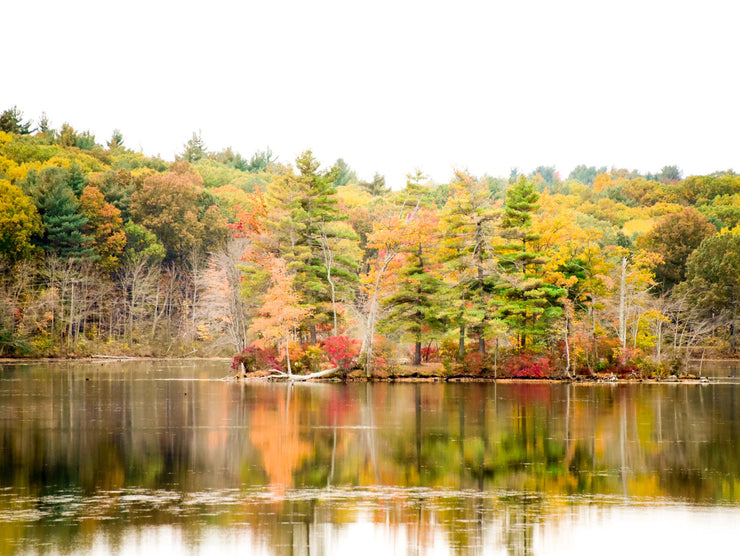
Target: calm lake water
(166, 458)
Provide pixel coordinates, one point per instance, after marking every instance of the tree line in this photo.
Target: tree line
(106, 250)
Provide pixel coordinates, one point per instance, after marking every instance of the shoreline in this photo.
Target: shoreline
(410, 374)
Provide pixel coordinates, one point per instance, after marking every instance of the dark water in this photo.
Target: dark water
(165, 458)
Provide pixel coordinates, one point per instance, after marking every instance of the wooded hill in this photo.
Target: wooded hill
(106, 251)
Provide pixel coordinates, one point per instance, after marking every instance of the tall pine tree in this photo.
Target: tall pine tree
(53, 194)
(525, 302)
(303, 229)
(413, 305)
(64, 224)
(468, 224)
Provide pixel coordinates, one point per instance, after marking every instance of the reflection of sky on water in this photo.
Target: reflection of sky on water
(643, 530)
(585, 531)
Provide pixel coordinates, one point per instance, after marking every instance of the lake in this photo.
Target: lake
(165, 457)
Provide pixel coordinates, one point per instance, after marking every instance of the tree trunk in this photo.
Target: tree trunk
(733, 339)
(495, 360)
(372, 309)
(287, 356)
(594, 342)
(329, 263)
(622, 306)
(71, 317)
(417, 353)
(461, 345)
(333, 303)
(567, 347)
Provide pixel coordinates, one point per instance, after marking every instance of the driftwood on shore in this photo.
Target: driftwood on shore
(276, 374)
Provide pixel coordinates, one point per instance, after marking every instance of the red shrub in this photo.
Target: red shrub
(342, 351)
(623, 370)
(473, 363)
(523, 366)
(428, 353)
(256, 359)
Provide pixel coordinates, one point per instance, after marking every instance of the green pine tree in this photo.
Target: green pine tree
(376, 187)
(345, 174)
(63, 224)
(469, 218)
(194, 149)
(413, 306)
(76, 178)
(525, 302)
(306, 209)
(11, 121)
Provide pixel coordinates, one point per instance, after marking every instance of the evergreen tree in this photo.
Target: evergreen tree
(261, 161)
(585, 174)
(525, 302)
(85, 141)
(194, 149)
(670, 174)
(345, 174)
(468, 221)
(376, 187)
(116, 140)
(416, 193)
(76, 178)
(64, 223)
(45, 126)
(413, 305)
(38, 184)
(11, 121)
(548, 174)
(304, 208)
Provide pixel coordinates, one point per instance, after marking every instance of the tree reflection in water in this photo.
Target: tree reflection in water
(94, 454)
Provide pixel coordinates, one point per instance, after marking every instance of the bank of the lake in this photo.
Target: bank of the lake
(699, 371)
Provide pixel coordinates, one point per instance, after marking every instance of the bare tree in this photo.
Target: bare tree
(222, 307)
(138, 281)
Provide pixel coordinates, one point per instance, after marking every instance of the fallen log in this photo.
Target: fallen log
(277, 374)
(310, 376)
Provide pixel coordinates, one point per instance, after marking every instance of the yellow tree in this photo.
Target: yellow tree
(395, 232)
(281, 310)
(635, 278)
(579, 263)
(105, 226)
(19, 223)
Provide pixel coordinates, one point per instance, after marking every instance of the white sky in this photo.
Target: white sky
(391, 85)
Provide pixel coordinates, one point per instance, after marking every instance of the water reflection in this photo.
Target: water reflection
(122, 456)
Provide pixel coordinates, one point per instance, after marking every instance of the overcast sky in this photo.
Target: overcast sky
(391, 86)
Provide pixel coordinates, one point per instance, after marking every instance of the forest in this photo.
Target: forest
(303, 266)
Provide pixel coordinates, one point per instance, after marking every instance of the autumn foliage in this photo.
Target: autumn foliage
(254, 358)
(342, 351)
(528, 366)
(105, 250)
